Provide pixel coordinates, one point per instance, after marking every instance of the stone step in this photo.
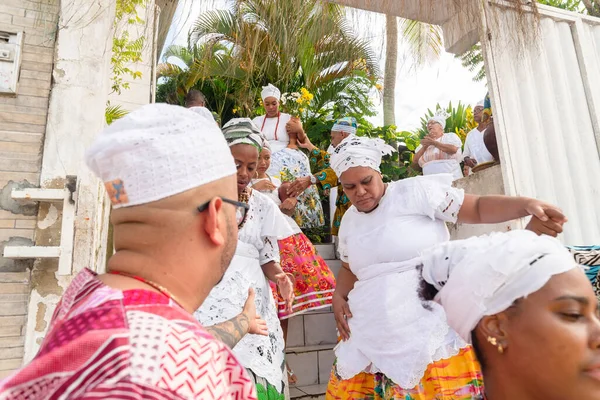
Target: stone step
(308, 392)
(327, 251)
(311, 364)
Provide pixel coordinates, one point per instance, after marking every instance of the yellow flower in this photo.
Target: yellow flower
(301, 109)
(235, 110)
(378, 86)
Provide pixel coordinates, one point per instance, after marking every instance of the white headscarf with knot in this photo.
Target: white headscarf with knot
(440, 117)
(270, 91)
(485, 275)
(357, 151)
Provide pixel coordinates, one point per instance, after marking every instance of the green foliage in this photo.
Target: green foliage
(290, 43)
(397, 165)
(124, 50)
(112, 113)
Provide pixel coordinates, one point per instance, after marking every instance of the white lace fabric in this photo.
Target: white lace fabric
(257, 245)
(391, 330)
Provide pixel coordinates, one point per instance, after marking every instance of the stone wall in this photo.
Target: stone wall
(486, 182)
(22, 129)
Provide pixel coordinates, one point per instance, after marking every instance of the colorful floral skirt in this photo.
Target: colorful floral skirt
(315, 283)
(456, 378)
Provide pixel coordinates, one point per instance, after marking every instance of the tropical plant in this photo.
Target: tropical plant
(112, 113)
(290, 43)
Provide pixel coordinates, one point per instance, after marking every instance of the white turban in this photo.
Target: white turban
(440, 117)
(270, 91)
(357, 151)
(480, 104)
(156, 152)
(485, 275)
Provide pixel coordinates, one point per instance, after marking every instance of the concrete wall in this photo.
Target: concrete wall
(486, 182)
(22, 128)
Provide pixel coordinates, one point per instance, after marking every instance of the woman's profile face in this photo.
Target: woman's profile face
(553, 341)
(271, 106)
(364, 187)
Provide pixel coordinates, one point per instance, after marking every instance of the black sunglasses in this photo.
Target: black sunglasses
(240, 211)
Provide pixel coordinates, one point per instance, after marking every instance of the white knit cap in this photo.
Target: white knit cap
(270, 91)
(158, 151)
(485, 275)
(357, 151)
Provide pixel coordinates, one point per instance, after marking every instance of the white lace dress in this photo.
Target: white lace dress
(257, 245)
(391, 331)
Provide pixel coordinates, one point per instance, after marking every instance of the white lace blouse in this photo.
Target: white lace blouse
(257, 245)
(391, 331)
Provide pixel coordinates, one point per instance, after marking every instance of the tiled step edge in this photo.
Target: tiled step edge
(307, 349)
(308, 392)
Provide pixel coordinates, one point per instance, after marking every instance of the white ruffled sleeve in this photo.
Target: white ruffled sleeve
(274, 227)
(435, 197)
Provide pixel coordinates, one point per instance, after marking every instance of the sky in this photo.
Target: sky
(417, 88)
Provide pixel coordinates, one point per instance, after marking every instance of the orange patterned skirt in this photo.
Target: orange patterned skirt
(314, 282)
(456, 378)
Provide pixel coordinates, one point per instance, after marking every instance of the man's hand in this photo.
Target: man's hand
(264, 186)
(552, 227)
(469, 162)
(299, 186)
(341, 311)
(305, 143)
(545, 211)
(256, 325)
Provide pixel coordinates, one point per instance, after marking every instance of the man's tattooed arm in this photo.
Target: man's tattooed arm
(232, 331)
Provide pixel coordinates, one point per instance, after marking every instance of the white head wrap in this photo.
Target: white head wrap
(158, 151)
(357, 151)
(440, 117)
(480, 104)
(270, 91)
(243, 131)
(346, 124)
(485, 275)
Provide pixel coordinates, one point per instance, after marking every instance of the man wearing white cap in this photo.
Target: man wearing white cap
(273, 125)
(475, 151)
(129, 333)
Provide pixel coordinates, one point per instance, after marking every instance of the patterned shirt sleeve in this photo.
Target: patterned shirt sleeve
(319, 161)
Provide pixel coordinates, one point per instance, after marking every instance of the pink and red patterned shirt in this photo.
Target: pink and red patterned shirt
(136, 344)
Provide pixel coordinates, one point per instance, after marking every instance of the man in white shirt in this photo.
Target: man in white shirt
(475, 151)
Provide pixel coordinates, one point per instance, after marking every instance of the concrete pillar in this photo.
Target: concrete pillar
(75, 116)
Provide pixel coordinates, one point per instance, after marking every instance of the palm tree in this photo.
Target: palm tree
(290, 43)
(425, 44)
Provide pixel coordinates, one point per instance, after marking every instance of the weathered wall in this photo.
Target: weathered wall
(486, 182)
(22, 128)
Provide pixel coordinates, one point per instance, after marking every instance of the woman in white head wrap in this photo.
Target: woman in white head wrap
(255, 263)
(273, 125)
(439, 152)
(475, 151)
(391, 344)
(527, 308)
